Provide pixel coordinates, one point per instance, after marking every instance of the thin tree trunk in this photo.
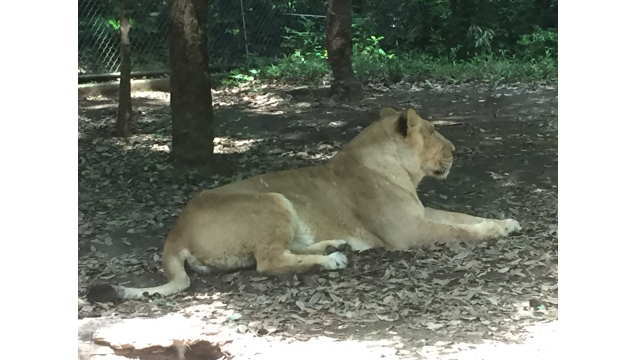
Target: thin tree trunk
(124, 119)
(339, 50)
(191, 110)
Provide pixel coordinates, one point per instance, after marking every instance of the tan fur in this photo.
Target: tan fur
(283, 221)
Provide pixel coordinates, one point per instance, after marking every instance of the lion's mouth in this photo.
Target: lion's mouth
(443, 172)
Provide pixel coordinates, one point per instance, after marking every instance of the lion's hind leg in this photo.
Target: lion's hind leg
(197, 266)
(273, 254)
(288, 262)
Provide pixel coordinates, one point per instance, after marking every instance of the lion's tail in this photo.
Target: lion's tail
(173, 262)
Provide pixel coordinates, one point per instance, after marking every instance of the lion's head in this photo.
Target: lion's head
(428, 149)
(400, 142)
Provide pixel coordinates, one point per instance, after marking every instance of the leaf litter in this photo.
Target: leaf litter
(422, 301)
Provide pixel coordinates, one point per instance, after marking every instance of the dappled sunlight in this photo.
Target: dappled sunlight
(229, 145)
(337, 124)
(271, 99)
(159, 147)
(152, 97)
(176, 333)
(222, 145)
(103, 105)
(541, 342)
(256, 100)
(150, 142)
(320, 348)
(210, 319)
(320, 153)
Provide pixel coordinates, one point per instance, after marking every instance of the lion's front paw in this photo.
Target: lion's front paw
(510, 226)
(491, 229)
(335, 261)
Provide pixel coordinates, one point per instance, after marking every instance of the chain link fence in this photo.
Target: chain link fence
(239, 32)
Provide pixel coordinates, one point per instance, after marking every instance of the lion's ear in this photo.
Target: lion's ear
(413, 119)
(388, 112)
(408, 122)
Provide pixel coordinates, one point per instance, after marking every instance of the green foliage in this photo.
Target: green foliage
(415, 67)
(114, 24)
(460, 29)
(496, 69)
(480, 38)
(442, 39)
(371, 49)
(539, 44)
(239, 76)
(308, 41)
(293, 68)
(481, 53)
(452, 40)
(297, 68)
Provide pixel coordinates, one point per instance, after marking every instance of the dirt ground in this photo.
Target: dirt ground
(495, 300)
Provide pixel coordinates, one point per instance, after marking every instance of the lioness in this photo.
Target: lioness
(284, 221)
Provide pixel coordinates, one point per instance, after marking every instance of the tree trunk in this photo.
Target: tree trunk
(191, 110)
(124, 119)
(339, 50)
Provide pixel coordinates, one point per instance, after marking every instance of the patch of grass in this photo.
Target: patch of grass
(413, 67)
(294, 68)
(297, 67)
(492, 68)
(300, 68)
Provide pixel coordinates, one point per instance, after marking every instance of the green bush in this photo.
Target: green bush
(298, 67)
(372, 61)
(409, 67)
(539, 44)
(307, 41)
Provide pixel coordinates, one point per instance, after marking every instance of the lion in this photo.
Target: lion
(289, 221)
